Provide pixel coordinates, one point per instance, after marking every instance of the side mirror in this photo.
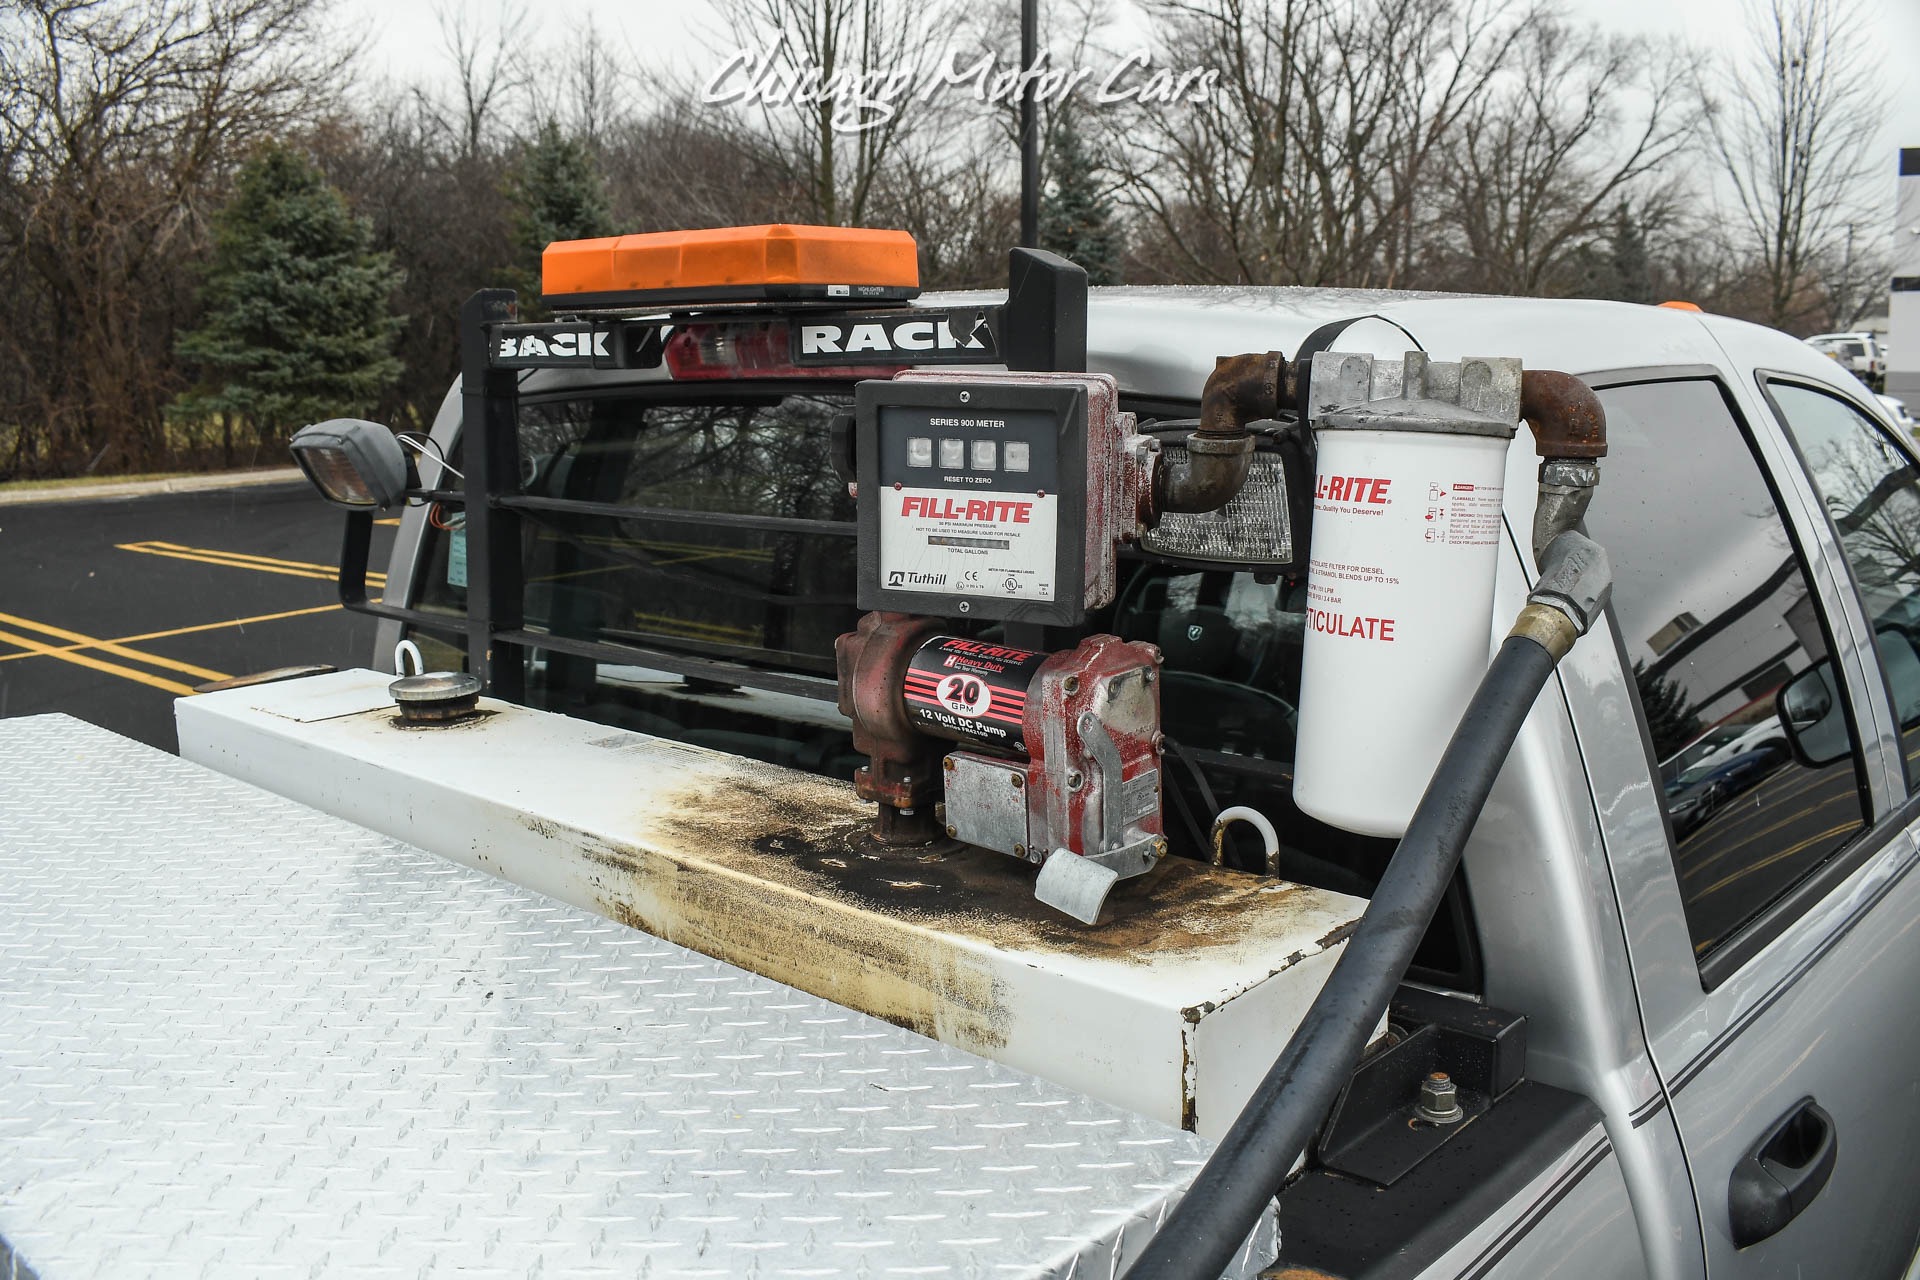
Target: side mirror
(1812, 718)
(1810, 708)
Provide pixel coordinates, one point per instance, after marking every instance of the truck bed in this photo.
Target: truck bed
(239, 1037)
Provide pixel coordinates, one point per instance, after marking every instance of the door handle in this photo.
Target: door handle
(1781, 1173)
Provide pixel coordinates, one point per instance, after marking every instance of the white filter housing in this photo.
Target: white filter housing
(1406, 528)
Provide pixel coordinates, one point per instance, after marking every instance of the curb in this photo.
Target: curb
(141, 488)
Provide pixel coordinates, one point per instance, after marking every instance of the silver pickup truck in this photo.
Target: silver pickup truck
(1671, 980)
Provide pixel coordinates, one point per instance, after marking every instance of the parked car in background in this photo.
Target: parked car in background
(1699, 793)
(1861, 354)
(1753, 737)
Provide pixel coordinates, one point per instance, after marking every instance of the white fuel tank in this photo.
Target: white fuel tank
(1406, 527)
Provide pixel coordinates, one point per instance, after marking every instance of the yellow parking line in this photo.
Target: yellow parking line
(1771, 859)
(247, 556)
(109, 646)
(654, 544)
(694, 629)
(390, 520)
(316, 574)
(35, 648)
(182, 631)
(242, 560)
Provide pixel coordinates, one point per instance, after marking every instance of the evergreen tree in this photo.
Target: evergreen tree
(1633, 277)
(558, 194)
(1622, 271)
(1670, 718)
(297, 324)
(1076, 219)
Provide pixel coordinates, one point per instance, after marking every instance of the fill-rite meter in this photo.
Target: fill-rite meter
(1002, 499)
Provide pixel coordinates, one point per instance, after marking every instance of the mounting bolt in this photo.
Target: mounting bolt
(1148, 677)
(947, 764)
(1159, 848)
(966, 607)
(1019, 851)
(1018, 781)
(1071, 685)
(953, 831)
(1075, 781)
(1439, 1101)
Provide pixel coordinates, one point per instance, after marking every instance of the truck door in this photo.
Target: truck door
(1771, 906)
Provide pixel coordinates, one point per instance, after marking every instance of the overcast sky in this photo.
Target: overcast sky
(404, 41)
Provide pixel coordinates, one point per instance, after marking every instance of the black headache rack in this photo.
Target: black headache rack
(1042, 326)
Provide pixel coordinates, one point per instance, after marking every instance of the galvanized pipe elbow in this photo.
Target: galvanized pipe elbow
(1241, 389)
(1570, 435)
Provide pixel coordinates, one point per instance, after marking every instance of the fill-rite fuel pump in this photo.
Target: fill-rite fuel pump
(1004, 498)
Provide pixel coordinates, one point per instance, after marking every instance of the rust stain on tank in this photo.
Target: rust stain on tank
(810, 836)
(790, 940)
(775, 871)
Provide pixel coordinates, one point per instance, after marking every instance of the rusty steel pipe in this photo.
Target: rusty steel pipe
(1565, 415)
(1241, 389)
(1570, 435)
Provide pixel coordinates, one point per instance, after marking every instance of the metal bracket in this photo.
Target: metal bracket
(1078, 884)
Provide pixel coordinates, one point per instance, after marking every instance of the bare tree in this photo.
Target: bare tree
(118, 125)
(1543, 164)
(1852, 272)
(813, 145)
(490, 66)
(1791, 125)
(1313, 161)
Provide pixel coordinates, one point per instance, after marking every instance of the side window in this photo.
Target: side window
(1872, 493)
(1717, 615)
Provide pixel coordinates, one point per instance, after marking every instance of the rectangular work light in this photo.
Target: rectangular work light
(1254, 530)
(354, 464)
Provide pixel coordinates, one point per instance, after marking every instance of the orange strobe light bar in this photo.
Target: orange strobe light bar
(781, 263)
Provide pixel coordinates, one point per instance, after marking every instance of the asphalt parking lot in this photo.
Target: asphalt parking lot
(112, 608)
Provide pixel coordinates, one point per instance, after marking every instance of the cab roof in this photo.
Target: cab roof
(1160, 341)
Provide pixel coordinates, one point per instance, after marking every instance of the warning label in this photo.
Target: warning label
(966, 543)
(1463, 515)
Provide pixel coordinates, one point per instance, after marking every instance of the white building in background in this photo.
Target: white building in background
(1903, 304)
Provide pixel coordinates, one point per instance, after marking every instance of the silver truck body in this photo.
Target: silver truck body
(1578, 905)
(1580, 910)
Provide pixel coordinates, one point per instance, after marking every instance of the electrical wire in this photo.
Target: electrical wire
(421, 442)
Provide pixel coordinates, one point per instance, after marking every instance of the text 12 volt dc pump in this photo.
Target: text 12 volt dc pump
(1004, 498)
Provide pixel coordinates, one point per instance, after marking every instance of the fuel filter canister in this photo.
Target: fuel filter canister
(1407, 507)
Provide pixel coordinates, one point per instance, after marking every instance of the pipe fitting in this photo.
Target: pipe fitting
(1566, 491)
(1241, 389)
(1566, 417)
(1569, 433)
(1576, 580)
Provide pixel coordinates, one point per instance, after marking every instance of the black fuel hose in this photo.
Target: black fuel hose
(1211, 1223)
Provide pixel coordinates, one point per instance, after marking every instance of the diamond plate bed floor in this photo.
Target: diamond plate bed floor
(241, 1038)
